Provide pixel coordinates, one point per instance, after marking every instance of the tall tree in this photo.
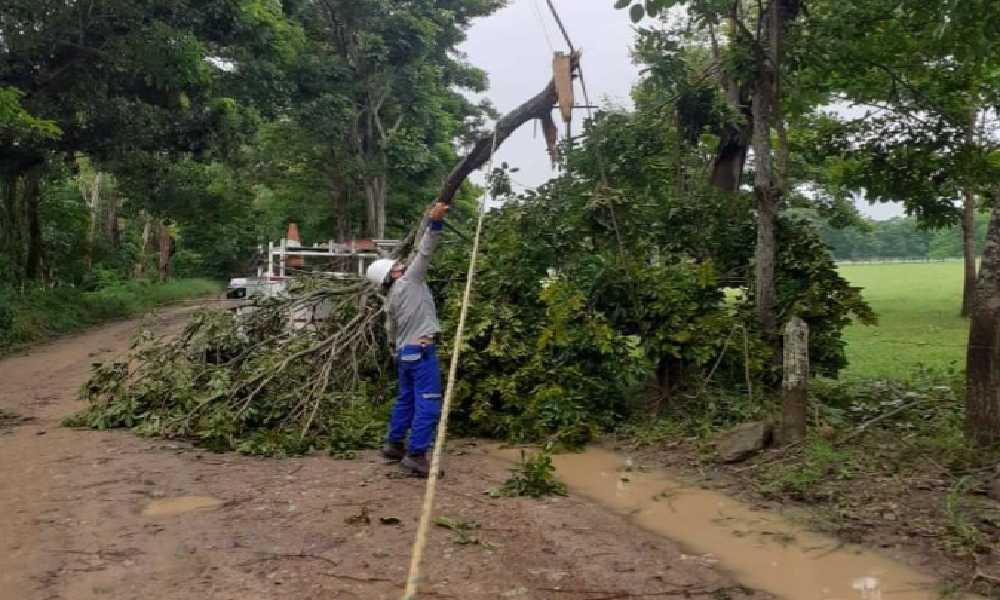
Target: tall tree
(118, 78)
(924, 77)
(389, 102)
(750, 70)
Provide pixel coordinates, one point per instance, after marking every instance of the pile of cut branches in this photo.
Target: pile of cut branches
(251, 384)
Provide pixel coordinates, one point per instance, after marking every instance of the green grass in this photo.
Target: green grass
(919, 325)
(37, 315)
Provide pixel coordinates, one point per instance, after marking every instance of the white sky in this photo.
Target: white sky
(512, 47)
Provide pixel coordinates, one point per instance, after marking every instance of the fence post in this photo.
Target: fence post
(795, 381)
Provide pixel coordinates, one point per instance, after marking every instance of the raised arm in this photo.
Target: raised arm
(417, 271)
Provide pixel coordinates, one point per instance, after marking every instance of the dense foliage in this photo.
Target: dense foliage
(141, 140)
(583, 315)
(666, 257)
(589, 294)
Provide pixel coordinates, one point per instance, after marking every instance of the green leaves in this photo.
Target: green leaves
(375, 102)
(917, 76)
(17, 125)
(533, 477)
(643, 8)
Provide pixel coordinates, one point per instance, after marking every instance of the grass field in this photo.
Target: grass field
(918, 306)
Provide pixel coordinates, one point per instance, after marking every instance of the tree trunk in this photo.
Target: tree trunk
(767, 189)
(375, 193)
(982, 378)
(111, 225)
(163, 264)
(969, 253)
(32, 201)
(766, 197)
(795, 381)
(92, 200)
(140, 257)
(9, 238)
(969, 221)
(9, 225)
(764, 259)
(341, 207)
(734, 143)
(11, 229)
(731, 157)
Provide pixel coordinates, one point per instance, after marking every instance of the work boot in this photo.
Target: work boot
(393, 451)
(417, 466)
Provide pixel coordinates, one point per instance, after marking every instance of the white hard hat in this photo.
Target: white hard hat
(378, 270)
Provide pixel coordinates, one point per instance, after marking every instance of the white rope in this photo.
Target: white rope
(416, 562)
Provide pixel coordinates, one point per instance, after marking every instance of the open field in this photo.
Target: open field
(918, 306)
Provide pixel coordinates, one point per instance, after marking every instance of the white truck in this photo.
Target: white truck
(289, 259)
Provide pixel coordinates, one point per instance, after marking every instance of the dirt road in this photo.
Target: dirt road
(106, 515)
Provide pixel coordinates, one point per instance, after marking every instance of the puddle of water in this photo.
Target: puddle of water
(759, 549)
(176, 506)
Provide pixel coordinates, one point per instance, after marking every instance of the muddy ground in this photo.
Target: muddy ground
(94, 515)
(916, 511)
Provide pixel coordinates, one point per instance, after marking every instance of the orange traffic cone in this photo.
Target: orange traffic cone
(293, 243)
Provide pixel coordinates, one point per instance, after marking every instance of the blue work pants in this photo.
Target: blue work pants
(418, 406)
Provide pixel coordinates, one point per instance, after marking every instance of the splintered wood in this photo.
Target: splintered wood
(551, 133)
(562, 74)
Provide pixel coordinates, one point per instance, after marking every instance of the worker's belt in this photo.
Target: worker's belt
(417, 351)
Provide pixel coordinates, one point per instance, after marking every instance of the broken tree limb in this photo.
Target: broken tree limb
(536, 108)
(562, 74)
(551, 133)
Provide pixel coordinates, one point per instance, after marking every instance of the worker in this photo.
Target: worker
(412, 327)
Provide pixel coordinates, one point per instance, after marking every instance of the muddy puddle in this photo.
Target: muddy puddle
(177, 506)
(759, 549)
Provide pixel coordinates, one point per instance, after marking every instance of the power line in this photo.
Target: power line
(562, 28)
(541, 23)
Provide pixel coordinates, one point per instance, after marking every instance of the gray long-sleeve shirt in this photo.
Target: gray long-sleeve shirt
(410, 306)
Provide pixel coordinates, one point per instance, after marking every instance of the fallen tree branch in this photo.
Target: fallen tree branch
(252, 383)
(867, 424)
(536, 108)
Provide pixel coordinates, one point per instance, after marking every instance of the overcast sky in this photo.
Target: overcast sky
(513, 46)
